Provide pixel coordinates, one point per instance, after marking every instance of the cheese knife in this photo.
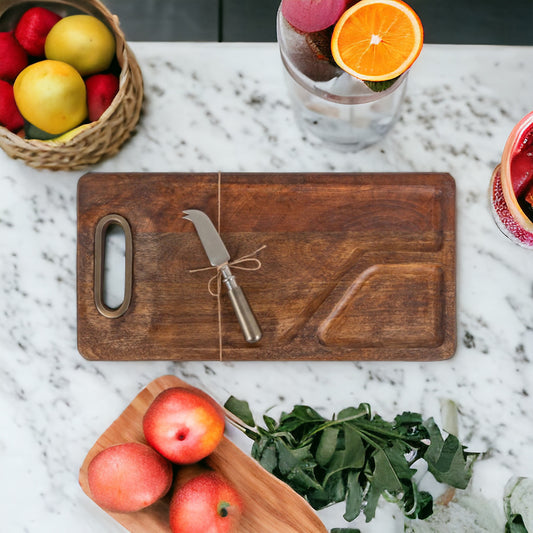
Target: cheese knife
(219, 257)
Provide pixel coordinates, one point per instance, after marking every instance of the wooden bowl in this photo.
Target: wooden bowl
(269, 504)
(101, 138)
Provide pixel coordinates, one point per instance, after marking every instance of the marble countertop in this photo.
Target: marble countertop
(223, 107)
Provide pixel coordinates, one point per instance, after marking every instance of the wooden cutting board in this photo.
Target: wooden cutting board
(356, 266)
(263, 494)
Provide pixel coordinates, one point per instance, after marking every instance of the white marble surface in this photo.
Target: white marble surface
(223, 107)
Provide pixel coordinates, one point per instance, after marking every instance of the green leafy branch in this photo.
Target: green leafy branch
(355, 457)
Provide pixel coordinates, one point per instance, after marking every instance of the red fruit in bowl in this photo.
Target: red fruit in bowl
(10, 116)
(207, 503)
(33, 27)
(128, 477)
(13, 58)
(101, 89)
(313, 15)
(184, 425)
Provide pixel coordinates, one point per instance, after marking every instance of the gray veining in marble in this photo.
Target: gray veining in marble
(223, 107)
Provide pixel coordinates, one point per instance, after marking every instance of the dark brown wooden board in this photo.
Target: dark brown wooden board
(356, 266)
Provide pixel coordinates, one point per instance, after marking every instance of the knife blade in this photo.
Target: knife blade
(219, 256)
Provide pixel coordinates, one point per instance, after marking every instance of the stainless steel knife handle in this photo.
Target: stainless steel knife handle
(249, 325)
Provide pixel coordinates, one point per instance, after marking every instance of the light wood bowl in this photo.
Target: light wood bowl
(269, 504)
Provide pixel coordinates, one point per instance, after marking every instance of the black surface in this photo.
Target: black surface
(167, 20)
(507, 22)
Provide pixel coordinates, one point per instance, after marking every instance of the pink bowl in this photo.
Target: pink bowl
(510, 180)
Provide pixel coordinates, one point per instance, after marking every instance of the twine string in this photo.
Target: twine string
(255, 264)
(240, 264)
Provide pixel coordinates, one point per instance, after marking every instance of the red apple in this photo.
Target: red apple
(13, 58)
(207, 503)
(101, 89)
(184, 425)
(128, 477)
(10, 116)
(33, 27)
(313, 15)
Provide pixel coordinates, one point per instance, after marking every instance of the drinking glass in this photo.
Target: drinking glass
(329, 104)
(511, 182)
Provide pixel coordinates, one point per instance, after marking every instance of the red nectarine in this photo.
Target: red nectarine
(208, 503)
(101, 90)
(10, 116)
(184, 425)
(33, 28)
(128, 477)
(13, 58)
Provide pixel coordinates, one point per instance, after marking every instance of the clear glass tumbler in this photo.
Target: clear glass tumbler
(511, 185)
(330, 104)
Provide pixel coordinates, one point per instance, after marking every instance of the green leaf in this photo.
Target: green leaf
(290, 458)
(518, 505)
(408, 418)
(391, 467)
(327, 445)
(300, 416)
(410, 425)
(269, 422)
(363, 411)
(305, 414)
(268, 458)
(384, 476)
(354, 496)
(446, 459)
(300, 480)
(352, 456)
(240, 409)
(379, 86)
(515, 524)
(336, 488)
(417, 504)
(372, 498)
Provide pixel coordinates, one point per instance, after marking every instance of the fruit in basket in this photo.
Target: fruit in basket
(313, 15)
(128, 477)
(377, 40)
(13, 57)
(69, 135)
(82, 41)
(51, 95)
(101, 89)
(33, 27)
(10, 116)
(184, 425)
(208, 502)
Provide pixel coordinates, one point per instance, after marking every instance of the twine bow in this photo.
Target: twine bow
(237, 264)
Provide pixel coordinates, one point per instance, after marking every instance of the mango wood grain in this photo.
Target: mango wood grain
(356, 266)
(269, 504)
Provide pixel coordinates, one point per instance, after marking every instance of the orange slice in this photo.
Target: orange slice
(377, 40)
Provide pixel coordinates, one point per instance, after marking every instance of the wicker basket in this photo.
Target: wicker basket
(101, 138)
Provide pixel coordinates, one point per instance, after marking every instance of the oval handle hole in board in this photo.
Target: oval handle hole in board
(113, 266)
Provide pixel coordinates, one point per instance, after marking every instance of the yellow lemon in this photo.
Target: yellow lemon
(66, 137)
(82, 41)
(51, 95)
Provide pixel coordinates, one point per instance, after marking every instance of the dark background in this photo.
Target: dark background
(507, 22)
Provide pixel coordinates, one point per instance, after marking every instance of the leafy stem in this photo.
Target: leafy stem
(356, 457)
(331, 423)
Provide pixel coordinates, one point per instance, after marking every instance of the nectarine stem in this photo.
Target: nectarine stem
(223, 509)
